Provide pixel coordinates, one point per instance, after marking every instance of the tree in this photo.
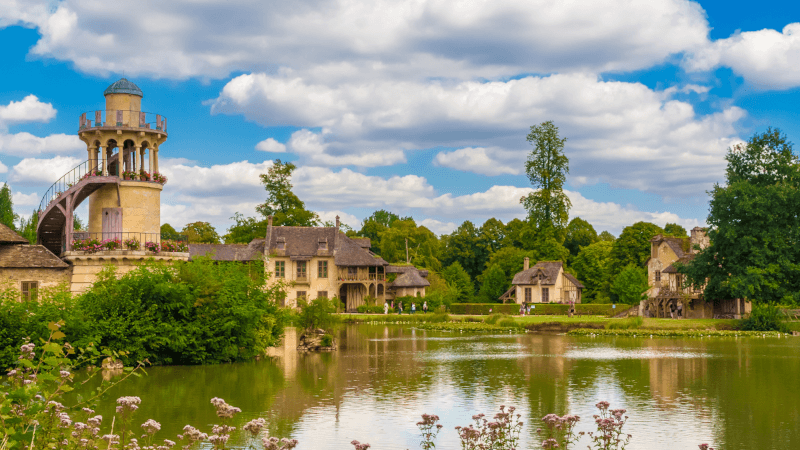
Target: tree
(7, 215)
(168, 229)
(519, 234)
(27, 228)
(606, 236)
(593, 267)
(580, 233)
(464, 245)
(423, 246)
(201, 233)
(77, 224)
(285, 207)
(492, 235)
(548, 248)
(458, 278)
(547, 168)
(675, 230)
(753, 226)
(245, 229)
(633, 245)
(511, 261)
(493, 284)
(630, 285)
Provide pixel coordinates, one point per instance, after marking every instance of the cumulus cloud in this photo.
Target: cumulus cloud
(41, 172)
(185, 38)
(617, 132)
(345, 218)
(766, 58)
(271, 145)
(21, 199)
(30, 109)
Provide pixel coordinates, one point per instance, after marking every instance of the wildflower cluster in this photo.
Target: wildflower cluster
(429, 427)
(359, 446)
(559, 432)
(500, 433)
(609, 433)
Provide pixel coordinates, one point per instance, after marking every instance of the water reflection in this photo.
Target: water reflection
(735, 393)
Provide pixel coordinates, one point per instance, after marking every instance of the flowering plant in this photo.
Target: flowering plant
(93, 245)
(152, 247)
(132, 244)
(174, 246)
(160, 178)
(144, 176)
(129, 175)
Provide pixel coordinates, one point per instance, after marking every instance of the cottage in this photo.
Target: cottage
(545, 282)
(29, 268)
(667, 296)
(409, 281)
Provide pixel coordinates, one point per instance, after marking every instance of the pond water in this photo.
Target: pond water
(734, 393)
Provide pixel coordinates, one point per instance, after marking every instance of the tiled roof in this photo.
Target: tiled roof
(29, 257)
(305, 242)
(9, 236)
(225, 252)
(675, 243)
(549, 271)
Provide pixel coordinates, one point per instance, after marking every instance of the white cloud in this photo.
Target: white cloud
(3, 167)
(26, 144)
(41, 172)
(271, 145)
(617, 132)
(345, 218)
(29, 109)
(186, 38)
(21, 199)
(438, 226)
(766, 58)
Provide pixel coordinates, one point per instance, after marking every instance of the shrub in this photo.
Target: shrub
(366, 309)
(625, 324)
(508, 322)
(317, 313)
(764, 318)
(493, 318)
(538, 309)
(326, 340)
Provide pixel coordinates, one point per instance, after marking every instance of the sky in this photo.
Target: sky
(420, 107)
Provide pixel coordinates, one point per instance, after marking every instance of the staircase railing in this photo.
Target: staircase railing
(85, 169)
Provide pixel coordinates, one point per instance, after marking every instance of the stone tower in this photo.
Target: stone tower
(121, 181)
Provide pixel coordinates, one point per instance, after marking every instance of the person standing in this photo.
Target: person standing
(680, 310)
(401, 308)
(385, 308)
(425, 307)
(413, 308)
(521, 310)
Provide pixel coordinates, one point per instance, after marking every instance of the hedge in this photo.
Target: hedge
(539, 309)
(370, 309)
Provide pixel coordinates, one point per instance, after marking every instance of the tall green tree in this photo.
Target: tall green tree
(547, 168)
(511, 260)
(7, 215)
(377, 222)
(27, 227)
(201, 233)
(423, 246)
(580, 233)
(593, 267)
(606, 236)
(285, 207)
(630, 285)
(245, 229)
(458, 279)
(754, 226)
(464, 245)
(492, 233)
(493, 284)
(633, 245)
(675, 230)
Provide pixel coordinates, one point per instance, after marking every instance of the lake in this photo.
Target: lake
(733, 393)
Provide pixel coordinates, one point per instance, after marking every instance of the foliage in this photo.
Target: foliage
(593, 267)
(317, 313)
(77, 223)
(547, 168)
(764, 318)
(439, 293)
(625, 324)
(168, 230)
(467, 327)
(499, 434)
(197, 312)
(548, 248)
(629, 286)
(245, 229)
(27, 227)
(326, 340)
(511, 260)
(365, 309)
(754, 228)
(675, 230)
(201, 233)
(377, 222)
(633, 245)
(458, 279)
(492, 235)
(429, 428)
(545, 309)
(7, 215)
(285, 207)
(494, 283)
(606, 236)
(580, 233)
(672, 333)
(423, 246)
(465, 247)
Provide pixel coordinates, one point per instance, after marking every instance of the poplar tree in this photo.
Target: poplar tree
(547, 168)
(7, 216)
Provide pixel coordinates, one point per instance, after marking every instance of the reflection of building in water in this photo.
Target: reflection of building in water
(286, 352)
(671, 375)
(545, 370)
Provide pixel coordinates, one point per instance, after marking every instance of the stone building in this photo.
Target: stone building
(28, 268)
(545, 282)
(667, 293)
(409, 281)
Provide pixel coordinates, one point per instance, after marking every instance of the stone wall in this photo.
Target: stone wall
(47, 278)
(85, 267)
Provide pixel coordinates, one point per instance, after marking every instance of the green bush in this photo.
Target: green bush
(326, 340)
(366, 309)
(764, 318)
(483, 308)
(317, 313)
(197, 312)
(493, 318)
(538, 309)
(508, 322)
(625, 324)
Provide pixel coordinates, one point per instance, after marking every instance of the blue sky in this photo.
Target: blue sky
(418, 107)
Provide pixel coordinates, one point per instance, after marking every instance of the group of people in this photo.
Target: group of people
(399, 307)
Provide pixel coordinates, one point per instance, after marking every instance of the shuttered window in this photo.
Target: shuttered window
(280, 269)
(545, 295)
(527, 295)
(322, 269)
(30, 290)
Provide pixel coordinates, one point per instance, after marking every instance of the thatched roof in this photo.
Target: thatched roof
(305, 242)
(9, 236)
(29, 257)
(225, 252)
(408, 276)
(675, 243)
(548, 269)
(683, 260)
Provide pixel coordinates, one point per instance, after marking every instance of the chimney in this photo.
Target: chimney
(269, 231)
(336, 235)
(526, 263)
(699, 238)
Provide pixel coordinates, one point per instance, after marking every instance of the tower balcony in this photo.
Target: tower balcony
(125, 120)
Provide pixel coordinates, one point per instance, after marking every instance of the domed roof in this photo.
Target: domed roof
(123, 86)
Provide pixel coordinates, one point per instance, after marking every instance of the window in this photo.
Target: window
(322, 269)
(658, 275)
(323, 245)
(322, 294)
(527, 295)
(301, 270)
(545, 295)
(280, 269)
(30, 290)
(281, 244)
(301, 295)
